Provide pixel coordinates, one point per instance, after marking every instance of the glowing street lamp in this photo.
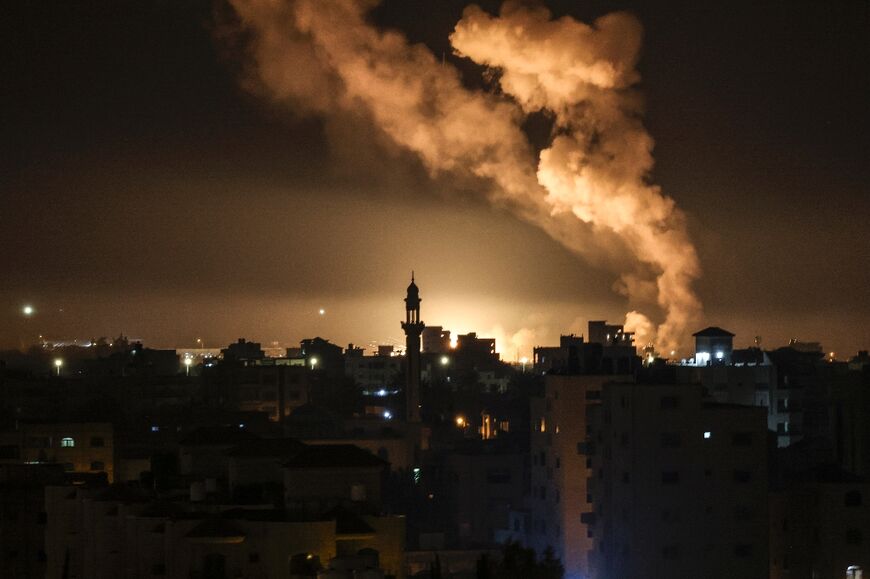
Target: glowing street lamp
(58, 363)
(524, 361)
(313, 363)
(187, 363)
(460, 422)
(28, 310)
(445, 360)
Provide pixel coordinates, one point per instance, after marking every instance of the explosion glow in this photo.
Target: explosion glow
(588, 189)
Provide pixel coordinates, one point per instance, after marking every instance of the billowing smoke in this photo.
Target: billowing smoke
(588, 189)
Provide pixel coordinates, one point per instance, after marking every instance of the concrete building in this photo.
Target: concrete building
(327, 521)
(558, 505)
(820, 526)
(374, 373)
(677, 486)
(23, 518)
(81, 447)
(436, 340)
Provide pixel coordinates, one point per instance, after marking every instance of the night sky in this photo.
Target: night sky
(145, 191)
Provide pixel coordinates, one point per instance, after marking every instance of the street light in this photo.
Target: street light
(187, 363)
(460, 421)
(27, 310)
(313, 363)
(58, 363)
(524, 361)
(445, 360)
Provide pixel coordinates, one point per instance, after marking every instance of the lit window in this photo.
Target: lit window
(67, 442)
(707, 434)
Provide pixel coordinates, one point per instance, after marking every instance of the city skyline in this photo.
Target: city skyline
(145, 199)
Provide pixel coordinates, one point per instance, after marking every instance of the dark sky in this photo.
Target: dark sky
(144, 192)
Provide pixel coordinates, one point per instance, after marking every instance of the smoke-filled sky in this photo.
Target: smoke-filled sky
(217, 170)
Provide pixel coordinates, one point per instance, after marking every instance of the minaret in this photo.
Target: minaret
(413, 328)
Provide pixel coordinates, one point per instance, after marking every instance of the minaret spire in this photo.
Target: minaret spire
(413, 327)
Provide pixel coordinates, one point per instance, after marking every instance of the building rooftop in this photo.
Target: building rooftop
(713, 332)
(335, 456)
(268, 447)
(218, 436)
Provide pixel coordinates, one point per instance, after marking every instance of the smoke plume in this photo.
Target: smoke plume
(588, 189)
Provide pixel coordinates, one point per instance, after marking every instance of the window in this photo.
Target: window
(853, 536)
(852, 499)
(708, 435)
(38, 442)
(741, 439)
(669, 402)
(67, 442)
(744, 513)
(671, 440)
(98, 465)
(97, 442)
(742, 476)
(498, 475)
(670, 477)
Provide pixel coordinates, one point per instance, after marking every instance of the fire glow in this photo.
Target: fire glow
(588, 189)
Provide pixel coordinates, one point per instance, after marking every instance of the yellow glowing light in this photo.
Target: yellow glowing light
(58, 362)
(321, 311)
(453, 341)
(460, 421)
(188, 361)
(27, 310)
(445, 360)
(313, 362)
(524, 360)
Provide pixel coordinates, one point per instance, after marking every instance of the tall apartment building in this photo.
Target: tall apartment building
(677, 486)
(559, 504)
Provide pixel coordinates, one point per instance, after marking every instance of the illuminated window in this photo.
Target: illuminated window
(707, 434)
(67, 442)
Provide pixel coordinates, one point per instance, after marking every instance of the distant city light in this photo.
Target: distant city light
(155, 428)
(313, 363)
(321, 311)
(445, 360)
(454, 341)
(58, 363)
(187, 363)
(388, 414)
(27, 310)
(707, 434)
(720, 355)
(460, 421)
